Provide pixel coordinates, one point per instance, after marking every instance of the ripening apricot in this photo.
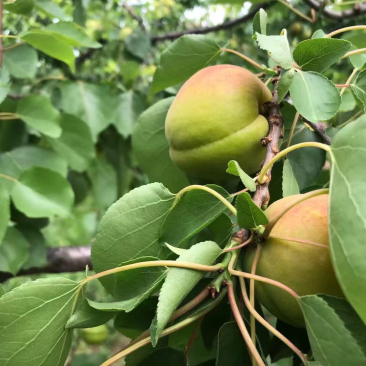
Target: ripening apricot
(297, 255)
(216, 118)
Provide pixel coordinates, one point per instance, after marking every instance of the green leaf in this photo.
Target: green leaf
(235, 169)
(138, 44)
(314, 96)
(51, 9)
(4, 211)
(130, 229)
(2, 291)
(175, 250)
(75, 144)
(134, 286)
(104, 183)
(231, 349)
(250, 216)
(21, 61)
(289, 183)
(179, 282)
(318, 34)
(4, 83)
(285, 83)
(86, 316)
(33, 331)
(72, 34)
(151, 148)
(195, 210)
(357, 38)
(13, 252)
(129, 106)
(182, 59)
(94, 104)
(260, 22)
(359, 90)
(134, 323)
(38, 112)
(358, 60)
(52, 45)
(347, 213)
(40, 192)
(278, 49)
(307, 163)
(164, 357)
(335, 331)
(22, 7)
(319, 54)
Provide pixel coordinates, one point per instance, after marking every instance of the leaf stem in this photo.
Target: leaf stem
(345, 29)
(246, 58)
(8, 178)
(259, 278)
(354, 72)
(188, 265)
(359, 113)
(261, 320)
(209, 190)
(8, 116)
(293, 126)
(8, 36)
(354, 52)
(234, 307)
(241, 245)
(12, 46)
(342, 85)
(286, 151)
(298, 12)
(165, 332)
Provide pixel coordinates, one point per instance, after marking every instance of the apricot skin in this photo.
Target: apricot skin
(301, 261)
(214, 119)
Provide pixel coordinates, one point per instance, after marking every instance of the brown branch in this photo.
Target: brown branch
(59, 260)
(319, 128)
(225, 25)
(135, 16)
(357, 10)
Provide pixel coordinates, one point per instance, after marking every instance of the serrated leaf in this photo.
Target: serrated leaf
(134, 286)
(75, 144)
(138, 44)
(51, 9)
(40, 192)
(175, 250)
(277, 47)
(195, 210)
(34, 330)
(4, 211)
(319, 54)
(129, 106)
(182, 59)
(359, 90)
(334, 329)
(94, 104)
(151, 148)
(72, 34)
(285, 83)
(347, 213)
(289, 183)
(235, 169)
(22, 7)
(250, 216)
(179, 282)
(314, 96)
(39, 113)
(130, 229)
(21, 61)
(14, 251)
(51, 44)
(260, 22)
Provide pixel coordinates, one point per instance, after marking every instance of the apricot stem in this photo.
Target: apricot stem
(246, 58)
(240, 245)
(209, 190)
(349, 80)
(354, 52)
(242, 327)
(267, 325)
(286, 151)
(345, 29)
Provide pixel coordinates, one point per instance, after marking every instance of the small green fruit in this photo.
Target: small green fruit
(96, 335)
(297, 255)
(296, 28)
(214, 119)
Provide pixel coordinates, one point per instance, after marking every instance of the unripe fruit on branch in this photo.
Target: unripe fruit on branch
(214, 119)
(297, 255)
(96, 335)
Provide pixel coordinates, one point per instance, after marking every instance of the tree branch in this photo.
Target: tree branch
(357, 10)
(319, 128)
(59, 260)
(135, 16)
(226, 25)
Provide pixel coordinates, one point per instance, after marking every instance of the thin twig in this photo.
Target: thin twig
(246, 58)
(298, 12)
(319, 129)
(354, 72)
(135, 16)
(356, 11)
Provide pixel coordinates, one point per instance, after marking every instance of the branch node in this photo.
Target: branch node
(266, 140)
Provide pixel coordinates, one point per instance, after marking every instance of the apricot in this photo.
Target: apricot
(96, 335)
(297, 255)
(216, 118)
